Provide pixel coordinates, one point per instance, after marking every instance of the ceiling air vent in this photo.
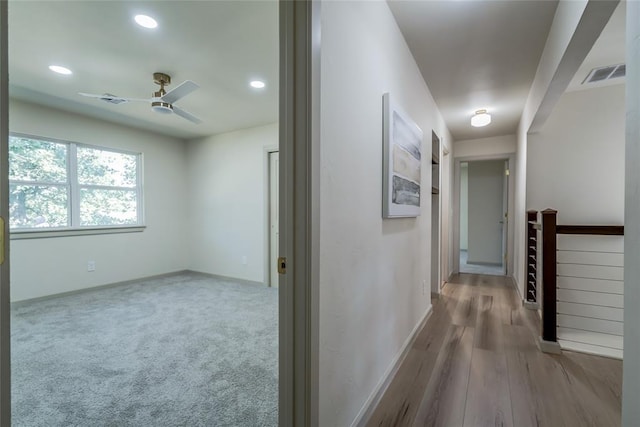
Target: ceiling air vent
(605, 73)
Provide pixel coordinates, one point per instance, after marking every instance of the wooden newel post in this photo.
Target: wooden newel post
(549, 275)
(531, 261)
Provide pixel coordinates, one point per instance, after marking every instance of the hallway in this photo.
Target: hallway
(476, 364)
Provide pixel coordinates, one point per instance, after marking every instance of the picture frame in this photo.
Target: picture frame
(402, 162)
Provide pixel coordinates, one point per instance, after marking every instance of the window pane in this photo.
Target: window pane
(37, 206)
(34, 160)
(100, 167)
(107, 207)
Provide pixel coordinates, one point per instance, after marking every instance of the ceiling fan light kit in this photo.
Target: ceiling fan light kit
(162, 107)
(480, 118)
(162, 101)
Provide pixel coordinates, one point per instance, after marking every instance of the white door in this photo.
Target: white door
(274, 227)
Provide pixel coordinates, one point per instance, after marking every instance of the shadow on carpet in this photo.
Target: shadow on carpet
(186, 350)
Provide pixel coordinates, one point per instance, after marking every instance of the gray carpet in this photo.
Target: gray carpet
(187, 350)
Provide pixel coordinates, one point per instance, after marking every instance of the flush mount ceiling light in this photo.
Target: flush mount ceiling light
(146, 21)
(480, 118)
(257, 84)
(60, 70)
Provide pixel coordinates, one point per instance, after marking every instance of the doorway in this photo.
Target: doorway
(483, 217)
(435, 214)
(293, 46)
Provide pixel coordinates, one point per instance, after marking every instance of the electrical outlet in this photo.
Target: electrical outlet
(244, 260)
(91, 266)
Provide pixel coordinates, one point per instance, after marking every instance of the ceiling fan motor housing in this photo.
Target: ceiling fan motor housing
(161, 79)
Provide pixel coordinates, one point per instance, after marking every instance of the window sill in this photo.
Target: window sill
(70, 232)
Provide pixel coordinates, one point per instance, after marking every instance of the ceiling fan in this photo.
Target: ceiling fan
(162, 101)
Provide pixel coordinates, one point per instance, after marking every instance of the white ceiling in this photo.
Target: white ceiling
(609, 49)
(221, 45)
(472, 54)
(477, 54)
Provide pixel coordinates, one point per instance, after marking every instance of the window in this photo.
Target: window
(62, 185)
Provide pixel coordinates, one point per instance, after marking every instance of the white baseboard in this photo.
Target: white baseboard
(99, 287)
(229, 278)
(515, 281)
(372, 402)
(131, 282)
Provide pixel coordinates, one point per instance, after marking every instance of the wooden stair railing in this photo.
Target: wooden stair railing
(550, 231)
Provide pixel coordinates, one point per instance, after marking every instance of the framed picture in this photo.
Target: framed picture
(402, 160)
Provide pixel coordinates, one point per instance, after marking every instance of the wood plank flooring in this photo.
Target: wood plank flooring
(476, 363)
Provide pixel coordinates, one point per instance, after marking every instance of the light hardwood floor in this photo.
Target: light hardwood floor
(476, 364)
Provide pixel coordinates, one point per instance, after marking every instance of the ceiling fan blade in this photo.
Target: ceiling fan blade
(103, 96)
(186, 115)
(180, 91)
(113, 98)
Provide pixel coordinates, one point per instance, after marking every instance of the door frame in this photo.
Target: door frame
(505, 229)
(299, 131)
(5, 307)
(455, 247)
(266, 167)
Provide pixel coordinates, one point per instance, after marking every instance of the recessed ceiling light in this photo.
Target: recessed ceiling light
(257, 84)
(60, 70)
(146, 21)
(480, 118)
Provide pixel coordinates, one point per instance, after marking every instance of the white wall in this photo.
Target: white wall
(42, 267)
(575, 28)
(577, 166)
(374, 273)
(576, 162)
(464, 206)
(564, 25)
(631, 367)
(486, 146)
(227, 192)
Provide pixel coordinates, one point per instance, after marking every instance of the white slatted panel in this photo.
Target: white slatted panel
(591, 298)
(594, 311)
(590, 243)
(589, 337)
(593, 285)
(591, 294)
(591, 271)
(590, 258)
(590, 324)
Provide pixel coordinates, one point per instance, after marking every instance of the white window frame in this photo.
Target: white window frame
(73, 187)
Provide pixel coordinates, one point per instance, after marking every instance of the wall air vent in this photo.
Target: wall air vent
(605, 73)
